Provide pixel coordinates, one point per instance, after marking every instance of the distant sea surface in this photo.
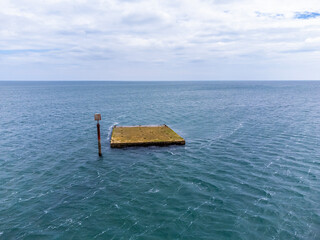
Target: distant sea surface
(250, 168)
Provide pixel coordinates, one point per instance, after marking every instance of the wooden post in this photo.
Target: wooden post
(97, 117)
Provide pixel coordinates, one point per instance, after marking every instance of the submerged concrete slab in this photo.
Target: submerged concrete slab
(144, 136)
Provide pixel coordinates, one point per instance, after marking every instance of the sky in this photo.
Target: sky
(159, 40)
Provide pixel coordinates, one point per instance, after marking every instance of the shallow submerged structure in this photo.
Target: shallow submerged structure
(127, 136)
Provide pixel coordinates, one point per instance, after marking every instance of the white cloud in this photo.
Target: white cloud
(217, 38)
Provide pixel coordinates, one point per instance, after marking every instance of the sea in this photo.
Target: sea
(250, 168)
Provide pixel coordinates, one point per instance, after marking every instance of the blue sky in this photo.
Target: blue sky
(159, 40)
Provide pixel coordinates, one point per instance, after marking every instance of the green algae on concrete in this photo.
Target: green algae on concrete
(144, 136)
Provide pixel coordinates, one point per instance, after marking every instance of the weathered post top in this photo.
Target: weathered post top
(97, 117)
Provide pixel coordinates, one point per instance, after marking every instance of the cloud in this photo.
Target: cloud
(24, 51)
(116, 36)
(141, 19)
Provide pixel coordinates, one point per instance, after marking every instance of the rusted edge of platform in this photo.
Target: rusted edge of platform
(145, 144)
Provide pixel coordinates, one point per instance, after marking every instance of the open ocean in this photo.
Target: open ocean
(250, 168)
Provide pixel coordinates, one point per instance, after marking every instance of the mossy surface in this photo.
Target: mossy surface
(144, 135)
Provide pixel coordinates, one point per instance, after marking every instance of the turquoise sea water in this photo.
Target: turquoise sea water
(250, 168)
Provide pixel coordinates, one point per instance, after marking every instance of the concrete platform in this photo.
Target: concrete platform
(144, 136)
